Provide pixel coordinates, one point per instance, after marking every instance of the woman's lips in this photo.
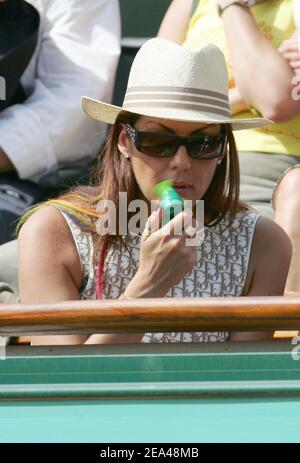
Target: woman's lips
(183, 189)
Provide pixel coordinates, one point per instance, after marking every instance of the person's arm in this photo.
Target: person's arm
(49, 266)
(269, 263)
(255, 63)
(237, 104)
(78, 55)
(175, 22)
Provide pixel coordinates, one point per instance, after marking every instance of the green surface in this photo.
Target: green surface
(147, 393)
(146, 364)
(151, 421)
(142, 18)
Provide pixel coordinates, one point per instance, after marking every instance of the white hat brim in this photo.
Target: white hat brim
(108, 113)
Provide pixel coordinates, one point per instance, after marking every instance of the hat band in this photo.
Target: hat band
(167, 89)
(194, 107)
(177, 98)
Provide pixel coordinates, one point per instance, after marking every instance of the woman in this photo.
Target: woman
(174, 124)
(259, 43)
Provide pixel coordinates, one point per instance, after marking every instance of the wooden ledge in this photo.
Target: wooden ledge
(144, 315)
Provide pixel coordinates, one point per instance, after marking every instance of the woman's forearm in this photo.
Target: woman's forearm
(176, 20)
(112, 338)
(237, 104)
(251, 336)
(262, 75)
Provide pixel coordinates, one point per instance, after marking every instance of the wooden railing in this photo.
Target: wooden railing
(146, 315)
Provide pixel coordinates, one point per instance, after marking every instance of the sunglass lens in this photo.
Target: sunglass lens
(158, 145)
(205, 147)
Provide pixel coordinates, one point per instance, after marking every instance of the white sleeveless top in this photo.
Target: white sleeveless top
(221, 268)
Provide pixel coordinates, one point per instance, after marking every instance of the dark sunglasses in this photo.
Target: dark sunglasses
(165, 145)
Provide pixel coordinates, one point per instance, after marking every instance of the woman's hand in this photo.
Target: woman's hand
(165, 257)
(289, 49)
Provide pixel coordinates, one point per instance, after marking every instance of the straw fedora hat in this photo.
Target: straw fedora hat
(168, 81)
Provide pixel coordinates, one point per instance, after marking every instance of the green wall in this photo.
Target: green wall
(141, 18)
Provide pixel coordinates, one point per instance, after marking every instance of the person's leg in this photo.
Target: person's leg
(286, 201)
(9, 265)
(7, 295)
(259, 173)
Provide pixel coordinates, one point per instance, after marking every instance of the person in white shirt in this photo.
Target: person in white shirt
(77, 53)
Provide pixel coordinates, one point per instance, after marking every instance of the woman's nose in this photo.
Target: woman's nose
(181, 159)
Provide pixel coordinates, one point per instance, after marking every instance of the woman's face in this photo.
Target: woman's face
(191, 177)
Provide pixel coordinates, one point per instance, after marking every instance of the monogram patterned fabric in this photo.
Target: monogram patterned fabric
(220, 271)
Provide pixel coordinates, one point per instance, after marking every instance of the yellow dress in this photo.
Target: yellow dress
(276, 22)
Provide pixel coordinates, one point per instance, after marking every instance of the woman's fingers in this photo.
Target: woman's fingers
(192, 229)
(295, 64)
(290, 45)
(289, 50)
(176, 226)
(291, 55)
(165, 255)
(153, 223)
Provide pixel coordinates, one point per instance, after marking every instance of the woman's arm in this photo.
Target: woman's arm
(261, 73)
(270, 259)
(112, 338)
(269, 264)
(290, 52)
(175, 22)
(237, 104)
(49, 266)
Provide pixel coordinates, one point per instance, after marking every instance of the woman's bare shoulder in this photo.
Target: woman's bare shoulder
(270, 259)
(47, 226)
(47, 236)
(270, 237)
